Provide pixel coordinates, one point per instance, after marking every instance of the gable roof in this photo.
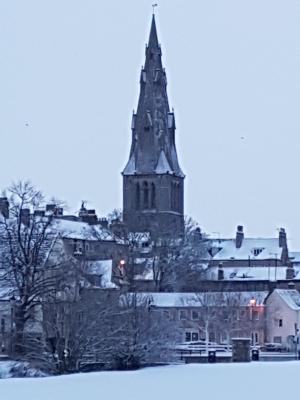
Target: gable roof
(268, 249)
(291, 297)
(81, 230)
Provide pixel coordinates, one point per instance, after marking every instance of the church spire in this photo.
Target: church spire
(153, 183)
(153, 39)
(153, 125)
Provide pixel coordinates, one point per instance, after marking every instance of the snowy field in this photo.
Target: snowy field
(257, 381)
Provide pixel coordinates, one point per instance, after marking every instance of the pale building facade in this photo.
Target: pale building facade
(283, 317)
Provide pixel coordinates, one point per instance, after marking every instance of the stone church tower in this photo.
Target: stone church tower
(153, 190)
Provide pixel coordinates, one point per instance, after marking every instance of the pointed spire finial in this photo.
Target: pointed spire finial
(153, 8)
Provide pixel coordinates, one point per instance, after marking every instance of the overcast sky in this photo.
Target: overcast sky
(69, 76)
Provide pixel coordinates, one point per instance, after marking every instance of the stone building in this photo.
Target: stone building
(153, 183)
(214, 316)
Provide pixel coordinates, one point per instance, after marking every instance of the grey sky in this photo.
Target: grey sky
(69, 77)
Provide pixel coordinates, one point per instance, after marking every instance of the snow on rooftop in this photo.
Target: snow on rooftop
(252, 273)
(144, 269)
(201, 299)
(253, 248)
(290, 296)
(294, 256)
(101, 268)
(81, 230)
(163, 165)
(130, 167)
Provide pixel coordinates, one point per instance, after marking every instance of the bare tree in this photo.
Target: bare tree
(147, 335)
(28, 243)
(178, 265)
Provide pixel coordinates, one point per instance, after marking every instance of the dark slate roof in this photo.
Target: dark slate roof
(153, 149)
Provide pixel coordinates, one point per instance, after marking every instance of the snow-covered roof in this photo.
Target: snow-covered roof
(294, 256)
(252, 273)
(143, 269)
(101, 268)
(163, 165)
(253, 248)
(81, 230)
(290, 296)
(201, 299)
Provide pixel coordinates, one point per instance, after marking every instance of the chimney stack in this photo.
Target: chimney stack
(197, 235)
(239, 237)
(220, 272)
(282, 238)
(4, 207)
(52, 209)
(103, 222)
(290, 272)
(25, 216)
(291, 286)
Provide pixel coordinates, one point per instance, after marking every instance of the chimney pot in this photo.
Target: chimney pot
(25, 216)
(4, 207)
(239, 236)
(220, 272)
(282, 238)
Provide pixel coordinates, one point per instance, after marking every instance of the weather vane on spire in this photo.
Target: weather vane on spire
(153, 7)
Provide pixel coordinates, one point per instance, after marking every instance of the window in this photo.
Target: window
(166, 314)
(153, 196)
(137, 196)
(191, 336)
(195, 315)
(224, 337)
(255, 315)
(183, 314)
(257, 251)
(280, 323)
(277, 339)
(146, 194)
(240, 314)
(254, 337)
(2, 326)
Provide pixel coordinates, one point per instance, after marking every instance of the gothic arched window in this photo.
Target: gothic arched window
(177, 196)
(153, 196)
(146, 194)
(137, 196)
(173, 196)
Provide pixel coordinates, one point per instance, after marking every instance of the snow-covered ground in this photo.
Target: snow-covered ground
(220, 381)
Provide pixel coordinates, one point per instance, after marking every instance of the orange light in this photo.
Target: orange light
(252, 302)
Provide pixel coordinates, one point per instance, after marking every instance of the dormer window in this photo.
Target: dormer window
(257, 250)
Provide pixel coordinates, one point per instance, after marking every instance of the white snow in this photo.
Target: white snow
(163, 165)
(252, 273)
(102, 268)
(81, 230)
(201, 299)
(130, 167)
(291, 297)
(269, 249)
(272, 380)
